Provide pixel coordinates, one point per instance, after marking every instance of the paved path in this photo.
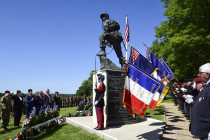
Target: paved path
(177, 126)
(146, 129)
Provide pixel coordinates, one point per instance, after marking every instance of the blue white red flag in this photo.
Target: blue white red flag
(158, 65)
(158, 97)
(165, 65)
(140, 87)
(140, 61)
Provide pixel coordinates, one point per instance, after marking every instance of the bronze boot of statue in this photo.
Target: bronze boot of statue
(102, 52)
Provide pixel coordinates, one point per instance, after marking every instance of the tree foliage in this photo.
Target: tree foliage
(184, 39)
(87, 86)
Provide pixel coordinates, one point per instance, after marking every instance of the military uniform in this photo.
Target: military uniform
(100, 105)
(6, 109)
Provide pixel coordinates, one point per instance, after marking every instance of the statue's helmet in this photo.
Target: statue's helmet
(104, 15)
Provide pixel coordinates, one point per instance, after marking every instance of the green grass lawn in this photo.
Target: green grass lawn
(62, 132)
(64, 111)
(68, 131)
(157, 114)
(168, 98)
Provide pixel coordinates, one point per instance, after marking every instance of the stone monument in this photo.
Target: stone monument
(114, 112)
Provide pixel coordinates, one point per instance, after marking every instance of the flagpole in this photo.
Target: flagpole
(126, 43)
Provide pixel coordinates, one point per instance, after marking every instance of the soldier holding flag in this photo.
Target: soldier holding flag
(99, 103)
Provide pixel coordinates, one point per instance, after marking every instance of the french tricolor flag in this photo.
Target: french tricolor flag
(140, 88)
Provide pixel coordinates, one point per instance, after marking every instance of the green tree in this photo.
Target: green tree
(87, 86)
(184, 39)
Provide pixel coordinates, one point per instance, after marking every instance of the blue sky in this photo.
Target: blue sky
(52, 43)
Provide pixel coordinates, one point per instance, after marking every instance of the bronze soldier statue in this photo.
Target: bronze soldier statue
(110, 37)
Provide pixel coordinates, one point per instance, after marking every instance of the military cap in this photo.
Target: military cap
(197, 80)
(101, 77)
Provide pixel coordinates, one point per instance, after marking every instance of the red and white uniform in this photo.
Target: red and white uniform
(100, 106)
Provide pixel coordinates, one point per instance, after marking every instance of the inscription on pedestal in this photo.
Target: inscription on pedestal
(116, 114)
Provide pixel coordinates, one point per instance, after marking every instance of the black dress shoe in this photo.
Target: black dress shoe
(98, 128)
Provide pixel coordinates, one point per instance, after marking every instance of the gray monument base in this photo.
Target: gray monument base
(107, 64)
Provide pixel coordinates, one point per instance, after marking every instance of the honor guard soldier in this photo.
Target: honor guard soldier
(99, 103)
(6, 109)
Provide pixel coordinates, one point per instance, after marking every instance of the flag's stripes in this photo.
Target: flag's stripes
(139, 90)
(147, 54)
(134, 55)
(135, 105)
(158, 93)
(163, 94)
(165, 65)
(140, 61)
(146, 80)
(127, 33)
(158, 65)
(154, 100)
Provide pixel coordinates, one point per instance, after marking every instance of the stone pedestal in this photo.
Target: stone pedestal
(114, 112)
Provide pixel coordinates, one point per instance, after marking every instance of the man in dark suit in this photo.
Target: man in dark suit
(57, 99)
(39, 101)
(29, 103)
(17, 107)
(47, 98)
(200, 117)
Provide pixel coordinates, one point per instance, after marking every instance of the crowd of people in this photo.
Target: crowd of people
(19, 105)
(195, 102)
(16, 104)
(189, 90)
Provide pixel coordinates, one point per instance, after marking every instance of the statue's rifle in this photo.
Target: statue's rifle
(124, 45)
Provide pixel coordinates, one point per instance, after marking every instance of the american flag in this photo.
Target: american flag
(127, 34)
(134, 55)
(147, 54)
